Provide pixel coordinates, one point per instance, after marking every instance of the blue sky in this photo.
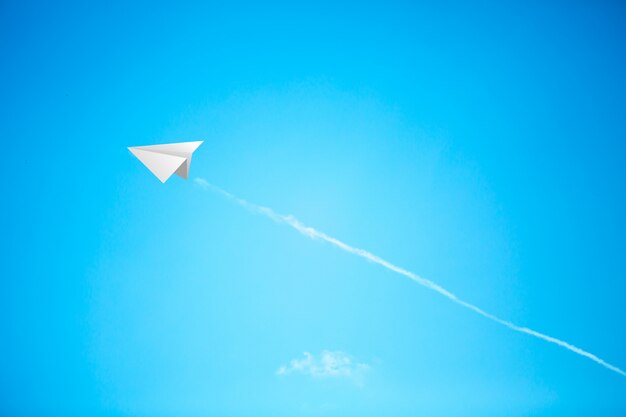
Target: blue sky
(481, 146)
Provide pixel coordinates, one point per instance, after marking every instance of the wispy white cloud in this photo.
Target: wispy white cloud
(328, 364)
(316, 234)
(202, 183)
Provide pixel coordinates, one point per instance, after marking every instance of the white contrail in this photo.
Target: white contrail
(315, 234)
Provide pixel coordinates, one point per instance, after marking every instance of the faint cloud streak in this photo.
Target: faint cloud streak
(316, 234)
(329, 364)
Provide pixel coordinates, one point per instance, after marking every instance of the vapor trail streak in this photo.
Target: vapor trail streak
(316, 234)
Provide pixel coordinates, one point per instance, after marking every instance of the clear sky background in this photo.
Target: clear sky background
(479, 144)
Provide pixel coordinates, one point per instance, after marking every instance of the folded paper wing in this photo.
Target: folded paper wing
(167, 159)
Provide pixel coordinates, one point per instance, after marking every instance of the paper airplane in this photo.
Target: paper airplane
(167, 159)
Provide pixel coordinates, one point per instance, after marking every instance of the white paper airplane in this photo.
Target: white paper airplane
(167, 159)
